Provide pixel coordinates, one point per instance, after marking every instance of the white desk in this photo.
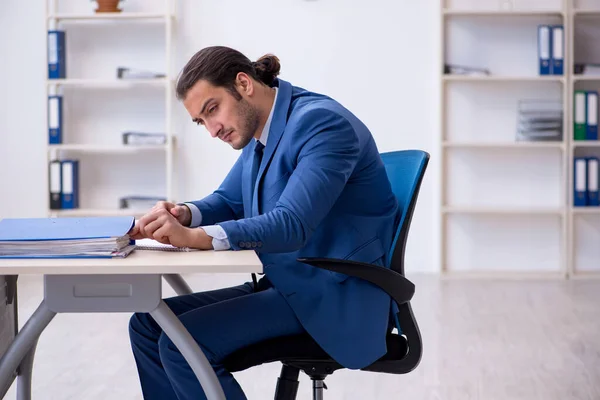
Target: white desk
(132, 284)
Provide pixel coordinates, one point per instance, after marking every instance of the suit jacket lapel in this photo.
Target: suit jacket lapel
(278, 123)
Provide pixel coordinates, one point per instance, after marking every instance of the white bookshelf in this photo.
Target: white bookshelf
(504, 203)
(98, 107)
(584, 222)
(506, 206)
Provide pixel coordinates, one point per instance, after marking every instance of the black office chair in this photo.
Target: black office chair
(405, 170)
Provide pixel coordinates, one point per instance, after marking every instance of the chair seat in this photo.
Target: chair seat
(303, 352)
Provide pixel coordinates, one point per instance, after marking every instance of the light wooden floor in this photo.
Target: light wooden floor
(489, 340)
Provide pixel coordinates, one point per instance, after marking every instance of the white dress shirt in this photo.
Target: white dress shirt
(220, 240)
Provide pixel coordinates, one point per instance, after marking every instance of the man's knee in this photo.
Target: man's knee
(170, 354)
(140, 324)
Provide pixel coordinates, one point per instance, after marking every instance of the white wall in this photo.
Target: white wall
(379, 58)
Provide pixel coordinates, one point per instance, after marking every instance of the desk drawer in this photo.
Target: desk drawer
(102, 293)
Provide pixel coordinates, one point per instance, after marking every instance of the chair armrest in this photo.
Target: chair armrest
(393, 283)
(401, 290)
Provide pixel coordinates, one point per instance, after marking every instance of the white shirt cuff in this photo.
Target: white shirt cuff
(196, 215)
(220, 240)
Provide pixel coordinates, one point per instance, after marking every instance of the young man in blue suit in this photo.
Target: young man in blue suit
(309, 182)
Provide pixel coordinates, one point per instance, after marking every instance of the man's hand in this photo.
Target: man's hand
(182, 213)
(163, 227)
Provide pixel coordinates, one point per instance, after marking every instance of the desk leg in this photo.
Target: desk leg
(190, 350)
(178, 284)
(25, 375)
(24, 343)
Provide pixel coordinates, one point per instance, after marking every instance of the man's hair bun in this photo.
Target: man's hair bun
(267, 68)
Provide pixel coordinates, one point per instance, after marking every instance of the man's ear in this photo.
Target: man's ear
(244, 83)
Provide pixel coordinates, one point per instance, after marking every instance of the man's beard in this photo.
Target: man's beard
(250, 121)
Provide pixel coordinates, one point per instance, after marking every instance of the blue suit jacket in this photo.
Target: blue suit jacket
(322, 191)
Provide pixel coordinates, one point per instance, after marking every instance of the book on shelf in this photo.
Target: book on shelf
(585, 115)
(87, 237)
(55, 119)
(63, 184)
(551, 51)
(57, 61)
(585, 182)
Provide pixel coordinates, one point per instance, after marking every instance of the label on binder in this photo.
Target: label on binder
(580, 116)
(53, 48)
(53, 113)
(592, 109)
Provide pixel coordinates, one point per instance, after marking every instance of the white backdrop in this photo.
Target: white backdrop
(379, 58)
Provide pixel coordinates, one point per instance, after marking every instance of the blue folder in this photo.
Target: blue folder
(29, 229)
(55, 119)
(580, 182)
(557, 46)
(70, 184)
(592, 181)
(50, 232)
(57, 60)
(544, 49)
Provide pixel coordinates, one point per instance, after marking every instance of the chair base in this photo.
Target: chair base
(318, 386)
(287, 384)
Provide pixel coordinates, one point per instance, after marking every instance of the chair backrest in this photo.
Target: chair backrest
(405, 170)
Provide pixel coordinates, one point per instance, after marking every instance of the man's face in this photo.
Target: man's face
(231, 120)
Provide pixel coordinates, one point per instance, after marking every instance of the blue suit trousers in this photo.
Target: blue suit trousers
(221, 321)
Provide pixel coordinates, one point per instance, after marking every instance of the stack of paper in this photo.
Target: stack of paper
(539, 120)
(91, 237)
(135, 73)
(151, 244)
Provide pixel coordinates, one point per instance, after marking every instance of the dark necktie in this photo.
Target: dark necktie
(258, 153)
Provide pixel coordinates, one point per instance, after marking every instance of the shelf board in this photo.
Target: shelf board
(502, 211)
(93, 148)
(508, 145)
(586, 210)
(122, 16)
(583, 78)
(497, 78)
(508, 13)
(97, 212)
(586, 143)
(585, 275)
(586, 12)
(108, 83)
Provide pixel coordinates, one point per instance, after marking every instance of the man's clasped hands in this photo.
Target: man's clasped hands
(168, 223)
